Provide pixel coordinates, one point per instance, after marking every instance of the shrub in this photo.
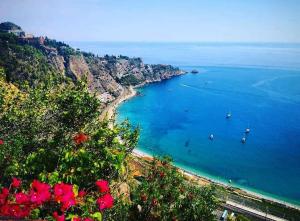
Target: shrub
(59, 202)
(51, 138)
(41, 130)
(164, 194)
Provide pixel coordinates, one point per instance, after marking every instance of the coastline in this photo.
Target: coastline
(204, 180)
(109, 113)
(110, 110)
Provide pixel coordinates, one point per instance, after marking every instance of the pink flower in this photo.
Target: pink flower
(40, 192)
(88, 219)
(22, 198)
(64, 194)
(105, 202)
(103, 186)
(58, 217)
(16, 182)
(1, 142)
(61, 189)
(76, 219)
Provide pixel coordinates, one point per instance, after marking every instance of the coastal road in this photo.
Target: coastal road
(250, 211)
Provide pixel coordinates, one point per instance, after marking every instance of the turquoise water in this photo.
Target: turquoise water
(258, 83)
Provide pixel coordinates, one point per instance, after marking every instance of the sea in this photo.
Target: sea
(258, 84)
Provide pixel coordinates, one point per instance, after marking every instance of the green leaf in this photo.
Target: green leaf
(97, 216)
(75, 189)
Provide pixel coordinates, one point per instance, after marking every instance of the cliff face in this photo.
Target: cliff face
(108, 76)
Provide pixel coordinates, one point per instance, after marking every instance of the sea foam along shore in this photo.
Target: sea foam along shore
(110, 111)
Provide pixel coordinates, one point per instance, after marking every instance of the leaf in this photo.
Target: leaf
(123, 169)
(97, 216)
(75, 189)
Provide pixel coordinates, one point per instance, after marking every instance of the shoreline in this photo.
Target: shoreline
(110, 110)
(109, 113)
(243, 192)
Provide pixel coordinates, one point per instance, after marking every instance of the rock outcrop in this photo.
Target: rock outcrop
(108, 76)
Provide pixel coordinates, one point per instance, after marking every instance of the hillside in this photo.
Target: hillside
(58, 161)
(32, 59)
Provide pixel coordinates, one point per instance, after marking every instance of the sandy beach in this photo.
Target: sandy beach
(110, 110)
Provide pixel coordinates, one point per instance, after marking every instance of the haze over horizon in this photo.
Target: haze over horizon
(157, 21)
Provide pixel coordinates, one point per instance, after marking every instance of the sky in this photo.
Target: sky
(157, 20)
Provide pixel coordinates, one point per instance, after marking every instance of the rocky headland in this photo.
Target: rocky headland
(109, 76)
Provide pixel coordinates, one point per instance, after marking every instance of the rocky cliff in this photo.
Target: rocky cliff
(29, 58)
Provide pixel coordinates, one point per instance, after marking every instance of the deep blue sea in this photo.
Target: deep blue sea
(259, 84)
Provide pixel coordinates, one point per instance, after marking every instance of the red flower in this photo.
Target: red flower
(1, 142)
(105, 202)
(22, 198)
(5, 210)
(154, 202)
(58, 217)
(103, 186)
(16, 182)
(64, 194)
(40, 192)
(143, 197)
(5, 191)
(81, 193)
(162, 174)
(76, 219)
(3, 195)
(68, 203)
(14, 210)
(80, 138)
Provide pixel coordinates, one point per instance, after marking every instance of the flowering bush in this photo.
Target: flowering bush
(58, 202)
(52, 140)
(164, 194)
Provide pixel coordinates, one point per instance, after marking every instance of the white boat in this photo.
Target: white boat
(247, 130)
(211, 137)
(243, 140)
(228, 115)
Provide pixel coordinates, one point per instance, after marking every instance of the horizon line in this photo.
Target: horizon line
(207, 42)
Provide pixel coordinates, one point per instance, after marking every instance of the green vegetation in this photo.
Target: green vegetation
(5, 26)
(50, 131)
(130, 80)
(163, 194)
(24, 64)
(39, 128)
(241, 218)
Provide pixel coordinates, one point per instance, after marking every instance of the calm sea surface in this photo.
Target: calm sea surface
(259, 84)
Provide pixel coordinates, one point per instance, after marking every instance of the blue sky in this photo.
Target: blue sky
(158, 20)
